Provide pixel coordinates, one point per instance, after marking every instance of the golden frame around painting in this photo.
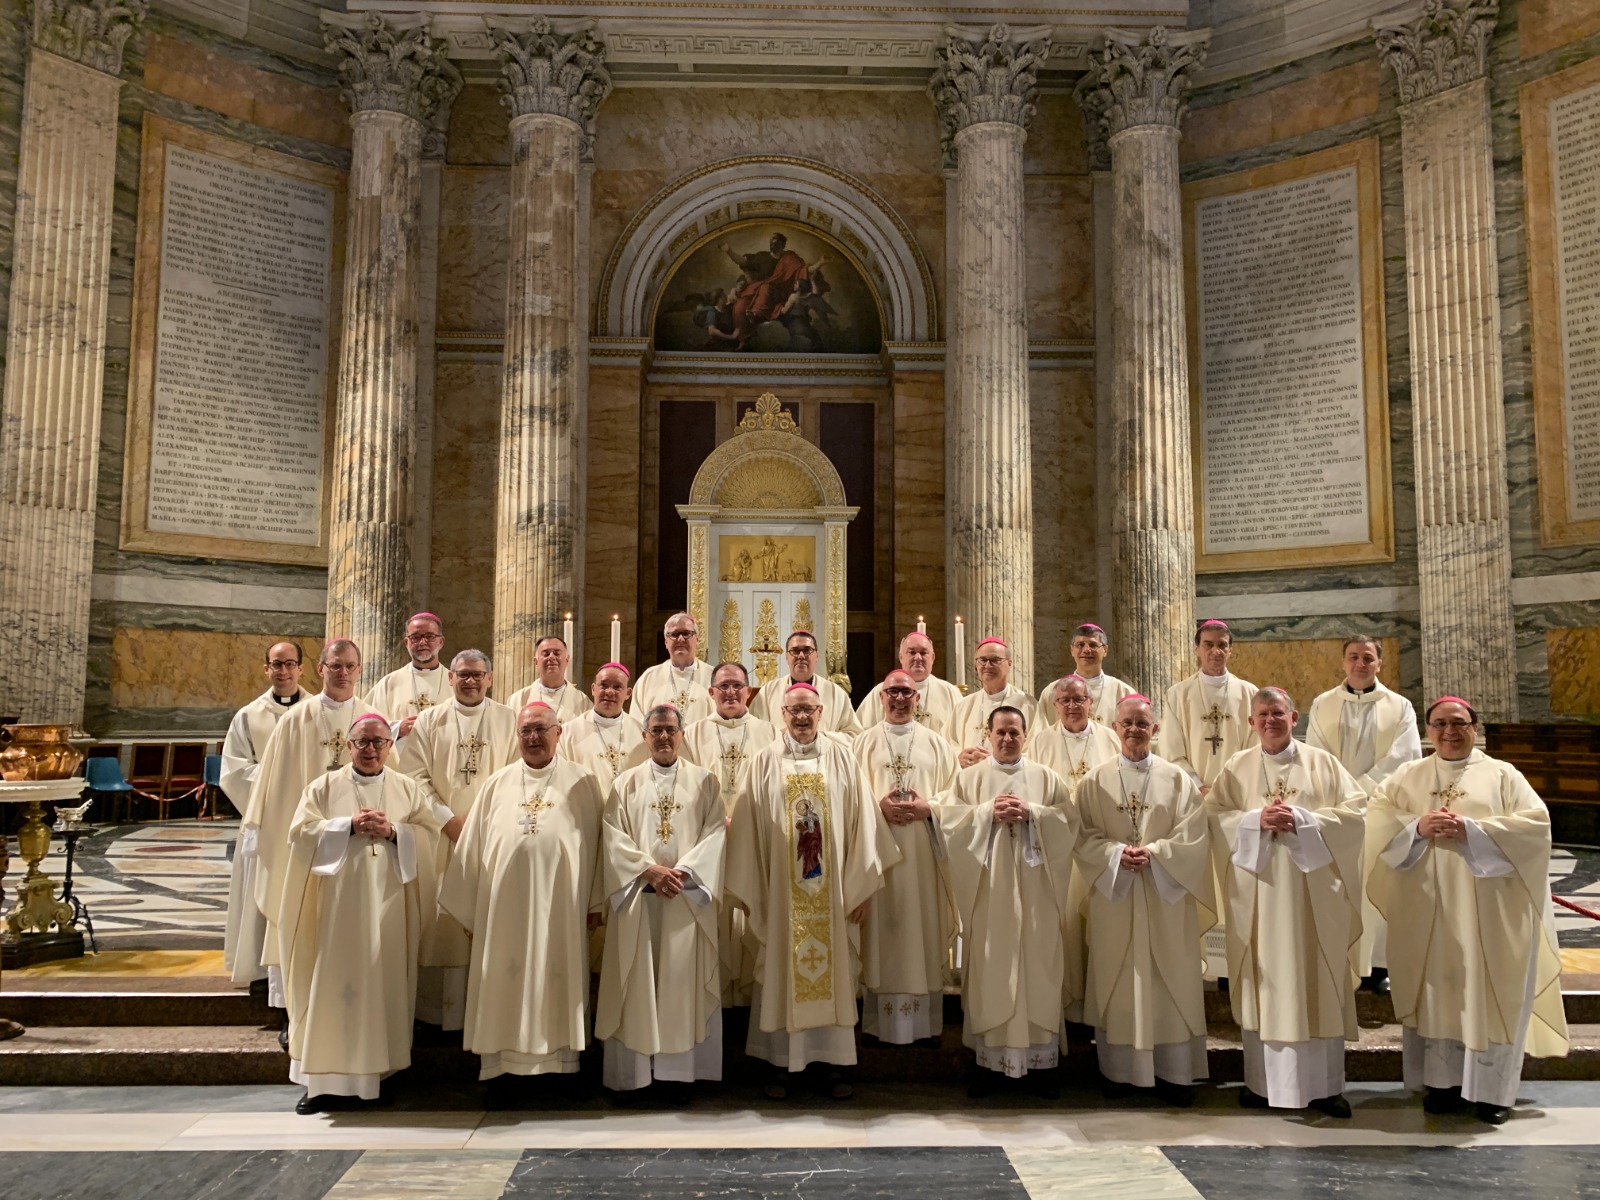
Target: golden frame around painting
(1378, 545)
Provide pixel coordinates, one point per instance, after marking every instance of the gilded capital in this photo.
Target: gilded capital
(987, 76)
(391, 64)
(1446, 46)
(546, 70)
(1140, 79)
(92, 33)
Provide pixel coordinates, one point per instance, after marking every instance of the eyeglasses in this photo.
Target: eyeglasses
(424, 637)
(1443, 725)
(661, 731)
(678, 634)
(799, 710)
(370, 743)
(989, 660)
(801, 651)
(735, 686)
(899, 693)
(282, 664)
(329, 668)
(536, 731)
(1072, 701)
(472, 676)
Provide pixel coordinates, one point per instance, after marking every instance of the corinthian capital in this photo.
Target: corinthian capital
(987, 76)
(1443, 48)
(92, 33)
(1140, 79)
(390, 64)
(543, 70)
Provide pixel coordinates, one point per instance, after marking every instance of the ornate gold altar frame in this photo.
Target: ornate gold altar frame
(768, 473)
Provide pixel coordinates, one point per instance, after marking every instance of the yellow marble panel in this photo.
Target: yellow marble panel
(195, 668)
(1556, 527)
(1573, 658)
(165, 963)
(1283, 112)
(1545, 24)
(1305, 668)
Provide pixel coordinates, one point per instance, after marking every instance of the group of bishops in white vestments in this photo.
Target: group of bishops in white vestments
(426, 851)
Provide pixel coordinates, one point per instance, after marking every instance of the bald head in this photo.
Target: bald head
(899, 697)
(1135, 726)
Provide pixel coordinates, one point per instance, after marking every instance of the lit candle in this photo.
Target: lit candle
(922, 625)
(961, 653)
(616, 637)
(572, 650)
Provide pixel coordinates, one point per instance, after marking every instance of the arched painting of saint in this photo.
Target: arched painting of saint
(767, 288)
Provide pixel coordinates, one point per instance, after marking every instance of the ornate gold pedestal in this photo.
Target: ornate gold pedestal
(38, 927)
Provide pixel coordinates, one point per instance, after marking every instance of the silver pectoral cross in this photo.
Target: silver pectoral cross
(1214, 716)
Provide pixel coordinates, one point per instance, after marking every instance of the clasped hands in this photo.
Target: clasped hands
(1442, 823)
(373, 823)
(1277, 817)
(1135, 858)
(1009, 809)
(904, 807)
(667, 881)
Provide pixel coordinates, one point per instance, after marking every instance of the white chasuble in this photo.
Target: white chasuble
(1293, 916)
(409, 692)
(1011, 885)
(838, 714)
(1205, 722)
(1475, 972)
(1144, 989)
(248, 733)
(661, 975)
(969, 726)
(726, 747)
(310, 741)
(1073, 755)
(936, 706)
(567, 702)
(606, 746)
(807, 846)
(906, 937)
(349, 925)
(522, 883)
(688, 691)
(451, 752)
(1105, 693)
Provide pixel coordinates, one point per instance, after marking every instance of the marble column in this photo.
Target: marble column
(1136, 88)
(983, 88)
(1099, 158)
(1453, 297)
(553, 80)
(435, 142)
(395, 78)
(55, 351)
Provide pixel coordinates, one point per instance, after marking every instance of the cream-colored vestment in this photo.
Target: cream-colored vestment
(838, 714)
(1205, 722)
(936, 705)
(969, 723)
(1106, 692)
(568, 701)
(688, 691)
(607, 746)
(408, 692)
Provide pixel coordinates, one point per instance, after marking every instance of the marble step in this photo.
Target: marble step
(127, 1055)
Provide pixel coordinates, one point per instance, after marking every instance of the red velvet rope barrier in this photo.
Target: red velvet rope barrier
(1577, 908)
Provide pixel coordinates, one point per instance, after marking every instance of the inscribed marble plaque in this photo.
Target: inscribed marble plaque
(234, 324)
(1289, 405)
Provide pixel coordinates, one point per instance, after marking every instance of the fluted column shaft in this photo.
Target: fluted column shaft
(55, 355)
(984, 89)
(540, 521)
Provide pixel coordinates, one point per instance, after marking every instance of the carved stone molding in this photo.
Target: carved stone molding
(545, 70)
(92, 33)
(391, 64)
(990, 76)
(1443, 48)
(1142, 79)
(1096, 105)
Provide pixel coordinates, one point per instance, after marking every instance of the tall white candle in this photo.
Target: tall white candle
(961, 653)
(573, 665)
(922, 625)
(616, 638)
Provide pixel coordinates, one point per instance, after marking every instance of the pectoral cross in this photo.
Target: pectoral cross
(664, 808)
(681, 701)
(423, 702)
(531, 808)
(471, 747)
(334, 745)
(612, 755)
(1132, 807)
(1214, 716)
(731, 758)
(922, 713)
(900, 767)
(1448, 796)
(1281, 791)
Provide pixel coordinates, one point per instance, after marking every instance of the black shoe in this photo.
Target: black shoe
(502, 1094)
(1332, 1106)
(1175, 1095)
(1249, 1099)
(776, 1086)
(982, 1084)
(283, 1039)
(310, 1104)
(1042, 1084)
(1441, 1101)
(1491, 1114)
(1377, 983)
(838, 1086)
(258, 987)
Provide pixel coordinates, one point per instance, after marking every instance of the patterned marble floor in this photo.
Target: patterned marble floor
(131, 1143)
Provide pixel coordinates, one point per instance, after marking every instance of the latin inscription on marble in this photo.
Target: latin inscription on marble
(1575, 190)
(241, 352)
(1282, 382)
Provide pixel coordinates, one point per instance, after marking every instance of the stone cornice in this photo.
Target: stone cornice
(391, 64)
(1142, 79)
(1444, 47)
(544, 69)
(987, 75)
(91, 33)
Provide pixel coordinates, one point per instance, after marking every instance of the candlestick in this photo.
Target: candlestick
(922, 625)
(961, 653)
(616, 638)
(574, 666)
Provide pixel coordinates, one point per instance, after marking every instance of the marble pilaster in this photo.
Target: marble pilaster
(983, 88)
(1135, 93)
(1453, 297)
(395, 78)
(55, 350)
(553, 80)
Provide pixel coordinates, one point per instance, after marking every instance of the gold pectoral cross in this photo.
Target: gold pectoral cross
(471, 747)
(1133, 808)
(612, 755)
(1448, 796)
(334, 745)
(922, 713)
(423, 701)
(732, 757)
(681, 701)
(900, 767)
(1280, 792)
(531, 808)
(1214, 716)
(664, 808)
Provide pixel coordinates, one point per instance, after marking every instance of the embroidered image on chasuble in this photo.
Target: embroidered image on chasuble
(813, 922)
